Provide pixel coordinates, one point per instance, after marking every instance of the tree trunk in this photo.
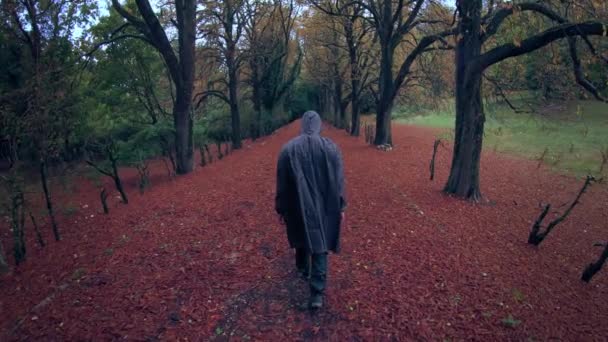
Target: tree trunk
(325, 103)
(49, 203)
(355, 124)
(13, 155)
(338, 102)
(343, 106)
(595, 267)
(3, 264)
(276, 113)
(233, 83)
(355, 76)
(257, 100)
(181, 67)
(236, 122)
(168, 151)
(208, 153)
(464, 174)
(103, 196)
(383, 123)
(117, 181)
(184, 147)
(385, 100)
(203, 158)
(257, 108)
(234, 111)
(218, 144)
(37, 231)
(18, 222)
(187, 69)
(337, 92)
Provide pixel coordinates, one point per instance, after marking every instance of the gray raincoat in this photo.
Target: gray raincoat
(310, 189)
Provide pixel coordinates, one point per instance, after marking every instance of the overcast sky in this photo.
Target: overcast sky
(105, 4)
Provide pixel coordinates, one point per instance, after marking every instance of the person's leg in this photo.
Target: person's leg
(318, 279)
(303, 262)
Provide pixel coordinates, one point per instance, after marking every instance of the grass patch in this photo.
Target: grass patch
(510, 322)
(518, 295)
(78, 274)
(70, 210)
(570, 136)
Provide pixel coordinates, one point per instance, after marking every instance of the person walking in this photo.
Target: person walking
(310, 201)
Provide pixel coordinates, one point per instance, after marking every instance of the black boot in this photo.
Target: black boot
(316, 301)
(318, 278)
(303, 264)
(303, 274)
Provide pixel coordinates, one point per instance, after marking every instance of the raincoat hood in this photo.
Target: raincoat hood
(311, 123)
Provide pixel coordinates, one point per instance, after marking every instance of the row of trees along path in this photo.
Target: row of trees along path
(204, 256)
(473, 26)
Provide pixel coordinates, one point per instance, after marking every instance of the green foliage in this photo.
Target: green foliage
(13, 205)
(70, 210)
(40, 104)
(128, 99)
(78, 274)
(302, 98)
(510, 322)
(248, 119)
(215, 125)
(518, 295)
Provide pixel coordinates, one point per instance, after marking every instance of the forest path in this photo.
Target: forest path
(204, 256)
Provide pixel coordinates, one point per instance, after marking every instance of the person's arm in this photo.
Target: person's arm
(340, 178)
(282, 184)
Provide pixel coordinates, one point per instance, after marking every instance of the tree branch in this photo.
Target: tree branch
(407, 25)
(205, 94)
(503, 95)
(99, 169)
(424, 43)
(578, 71)
(501, 15)
(538, 41)
(113, 40)
(153, 30)
(135, 21)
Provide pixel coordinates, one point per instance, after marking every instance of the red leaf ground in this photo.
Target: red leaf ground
(203, 256)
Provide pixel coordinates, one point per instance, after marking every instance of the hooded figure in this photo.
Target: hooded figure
(310, 199)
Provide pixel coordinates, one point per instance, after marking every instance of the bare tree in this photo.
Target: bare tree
(536, 236)
(110, 152)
